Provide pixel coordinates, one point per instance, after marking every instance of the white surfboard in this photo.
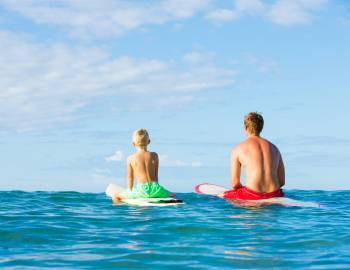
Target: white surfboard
(114, 189)
(215, 190)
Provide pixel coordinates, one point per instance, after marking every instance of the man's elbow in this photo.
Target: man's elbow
(282, 183)
(236, 184)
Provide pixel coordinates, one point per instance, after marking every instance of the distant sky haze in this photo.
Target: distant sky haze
(78, 77)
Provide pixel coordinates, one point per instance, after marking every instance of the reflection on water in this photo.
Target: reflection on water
(74, 230)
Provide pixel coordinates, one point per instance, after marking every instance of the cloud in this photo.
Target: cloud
(196, 164)
(197, 58)
(263, 65)
(96, 19)
(93, 18)
(222, 15)
(286, 12)
(117, 156)
(282, 12)
(166, 161)
(47, 84)
(241, 8)
(165, 102)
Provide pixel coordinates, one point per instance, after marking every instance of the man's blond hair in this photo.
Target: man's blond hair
(254, 123)
(140, 137)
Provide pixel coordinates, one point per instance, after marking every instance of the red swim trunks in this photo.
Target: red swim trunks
(245, 193)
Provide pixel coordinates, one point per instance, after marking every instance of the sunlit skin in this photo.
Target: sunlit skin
(143, 165)
(262, 163)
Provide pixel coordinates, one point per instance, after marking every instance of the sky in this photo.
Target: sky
(77, 77)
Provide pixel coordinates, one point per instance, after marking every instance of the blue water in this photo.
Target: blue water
(85, 231)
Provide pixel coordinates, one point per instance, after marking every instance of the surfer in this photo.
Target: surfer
(143, 165)
(261, 161)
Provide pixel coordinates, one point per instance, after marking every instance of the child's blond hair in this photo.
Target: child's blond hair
(140, 137)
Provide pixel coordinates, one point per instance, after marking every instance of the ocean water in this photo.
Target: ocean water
(73, 230)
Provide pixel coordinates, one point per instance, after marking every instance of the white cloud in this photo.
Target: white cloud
(166, 102)
(183, 8)
(263, 65)
(241, 8)
(222, 15)
(45, 84)
(283, 12)
(117, 156)
(196, 164)
(174, 101)
(198, 58)
(250, 7)
(95, 18)
(288, 12)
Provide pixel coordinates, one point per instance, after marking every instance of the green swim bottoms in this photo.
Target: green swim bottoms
(146, 190)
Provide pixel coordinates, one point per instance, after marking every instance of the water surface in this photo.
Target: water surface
(73, 230)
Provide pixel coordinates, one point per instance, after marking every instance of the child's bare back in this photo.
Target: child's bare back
(143, 165)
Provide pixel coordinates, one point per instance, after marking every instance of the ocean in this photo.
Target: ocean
(71, 230)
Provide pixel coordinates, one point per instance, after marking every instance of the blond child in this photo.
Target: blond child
(143, 165)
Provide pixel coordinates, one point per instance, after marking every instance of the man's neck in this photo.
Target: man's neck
(253, 136)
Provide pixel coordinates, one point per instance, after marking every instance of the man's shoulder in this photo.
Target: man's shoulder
(251, 143)
(266, 141)
(246, 143)
(272, 146)
(238, 147)
(154, 154)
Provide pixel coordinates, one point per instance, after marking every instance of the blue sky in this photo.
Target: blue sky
(77, 77)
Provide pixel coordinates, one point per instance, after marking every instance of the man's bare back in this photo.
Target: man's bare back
(143, 165)
(262, 163)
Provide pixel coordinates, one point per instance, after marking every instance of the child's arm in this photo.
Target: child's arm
(130, 174)
(156, 165)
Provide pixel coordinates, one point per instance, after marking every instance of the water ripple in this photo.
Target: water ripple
(74, 230)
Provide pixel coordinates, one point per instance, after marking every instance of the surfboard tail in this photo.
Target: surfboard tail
(113, 190)
(209, 189)
(215, 190)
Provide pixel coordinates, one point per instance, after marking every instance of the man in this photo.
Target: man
(262, 163)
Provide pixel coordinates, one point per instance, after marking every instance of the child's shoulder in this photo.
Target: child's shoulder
(131, 157)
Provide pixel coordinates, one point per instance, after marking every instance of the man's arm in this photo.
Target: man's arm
(281, 172)
(235, 169)
(130, 174)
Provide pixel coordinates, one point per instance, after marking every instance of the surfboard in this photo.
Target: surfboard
(215, 190)
(114, 189)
